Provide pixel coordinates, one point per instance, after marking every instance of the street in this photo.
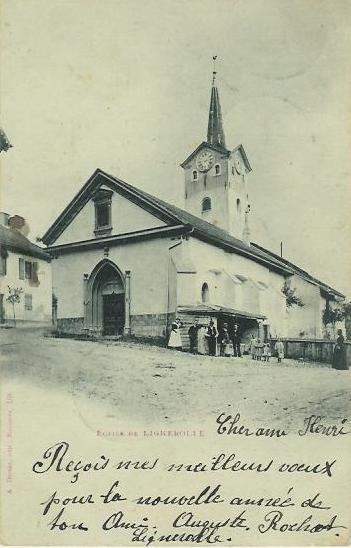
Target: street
(152, 386)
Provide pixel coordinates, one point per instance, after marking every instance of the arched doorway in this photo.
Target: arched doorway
(107, 302)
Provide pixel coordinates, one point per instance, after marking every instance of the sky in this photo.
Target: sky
(125, 86)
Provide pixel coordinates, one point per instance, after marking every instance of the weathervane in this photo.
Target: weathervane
(214, 69)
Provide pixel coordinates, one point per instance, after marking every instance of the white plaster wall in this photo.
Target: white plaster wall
(307, 320)
(41, 292)
(126, 217)
(148, 262)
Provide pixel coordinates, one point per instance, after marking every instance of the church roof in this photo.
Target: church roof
(13, 240)
(174, 216)
(167, 212)
(302, 273)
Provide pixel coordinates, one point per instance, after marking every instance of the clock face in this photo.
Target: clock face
(205, 160)
(238, 164)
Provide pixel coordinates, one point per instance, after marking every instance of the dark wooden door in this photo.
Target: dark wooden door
(113, 311)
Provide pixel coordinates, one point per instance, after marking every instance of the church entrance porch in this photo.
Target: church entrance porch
(105, 308)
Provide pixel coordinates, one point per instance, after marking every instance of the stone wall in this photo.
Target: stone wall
(70, 326)
(150, 325)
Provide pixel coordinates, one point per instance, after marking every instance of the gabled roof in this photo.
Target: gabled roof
(13, 240)
(204, 144)
(302, 273)
(243, 153)
(169, 213)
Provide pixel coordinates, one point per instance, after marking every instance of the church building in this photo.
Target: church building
(126, 262)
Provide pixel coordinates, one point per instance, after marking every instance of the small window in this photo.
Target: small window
(194, 175)
(102, 201)
(205, 294)
(102, 215)
(217, 168)
(28, 301)
(27, 270)
(238, 205)
(233, 170)
(206, 204)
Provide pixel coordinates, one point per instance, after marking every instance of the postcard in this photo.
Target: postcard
(175, 316)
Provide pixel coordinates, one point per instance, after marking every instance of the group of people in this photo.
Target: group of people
(204, 339)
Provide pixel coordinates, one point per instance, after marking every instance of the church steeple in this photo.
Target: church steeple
(215, 133)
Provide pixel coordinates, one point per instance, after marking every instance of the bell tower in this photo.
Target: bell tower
(215, 176)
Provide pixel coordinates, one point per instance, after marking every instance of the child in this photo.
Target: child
(266, 352)
(279, 349)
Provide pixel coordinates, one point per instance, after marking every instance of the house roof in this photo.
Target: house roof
(15, 241)
(302, 273)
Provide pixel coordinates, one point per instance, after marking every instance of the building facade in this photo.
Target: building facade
(25, 270)
(126, 262)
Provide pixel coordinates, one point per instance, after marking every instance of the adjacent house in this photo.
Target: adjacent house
(25, 269)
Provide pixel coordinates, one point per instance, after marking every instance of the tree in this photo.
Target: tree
(14, 297)
(333, 315)
(290, 295)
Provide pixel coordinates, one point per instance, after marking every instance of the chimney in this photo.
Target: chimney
(4, 218)
(16, 222)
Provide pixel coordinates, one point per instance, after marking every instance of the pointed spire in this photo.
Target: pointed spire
(215, 133)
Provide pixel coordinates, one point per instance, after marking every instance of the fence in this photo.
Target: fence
(317, 350)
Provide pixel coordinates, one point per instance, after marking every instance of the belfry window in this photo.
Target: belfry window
(194, 175)
(217, 168)
(205, 294)
(102, 201)
(238, 205)
(206, 204)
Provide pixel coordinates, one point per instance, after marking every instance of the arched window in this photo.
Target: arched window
(194, 175)
(206, 204)
(238, 205)
(217, 168)
(205, 294)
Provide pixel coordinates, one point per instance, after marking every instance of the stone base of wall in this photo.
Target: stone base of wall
(150, 325)
(71, 326)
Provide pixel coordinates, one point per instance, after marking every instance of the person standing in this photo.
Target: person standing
(266, 351)
(236, 340)
(193, 336)
(212, 335)
(202, 344)
(175, 341)
(259, 349)
(224, 340)
(339, 353)
(279, 350)
(253, 343)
